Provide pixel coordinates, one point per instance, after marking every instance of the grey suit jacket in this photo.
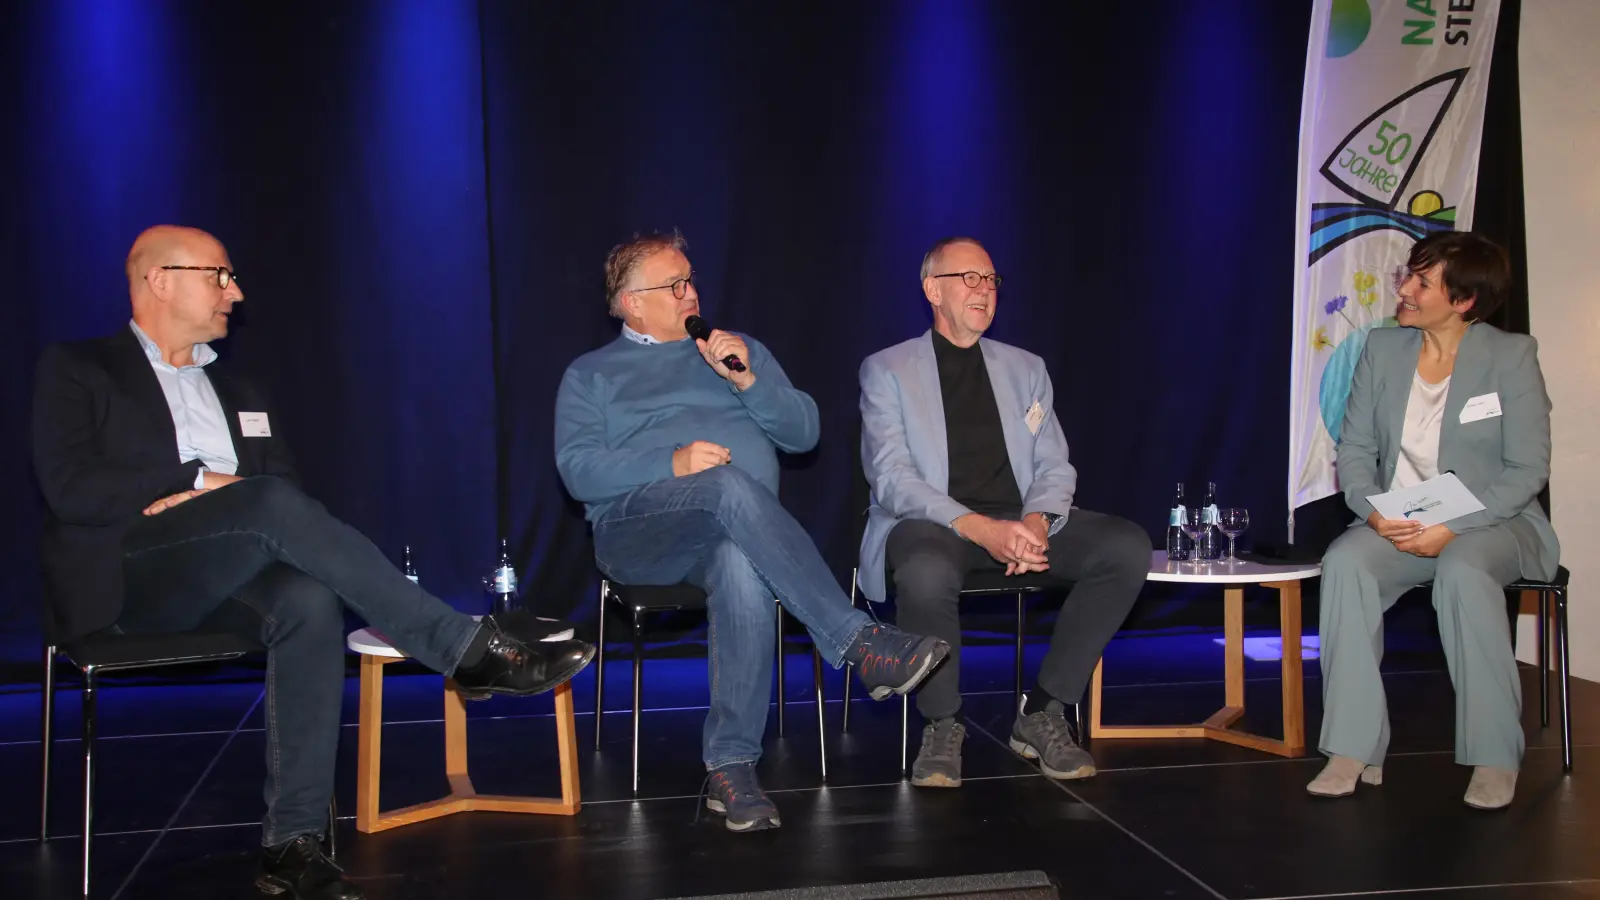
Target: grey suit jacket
(906, 455)
(1504, 460)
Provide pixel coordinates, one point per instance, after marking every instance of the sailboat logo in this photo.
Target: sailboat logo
(1375, 164)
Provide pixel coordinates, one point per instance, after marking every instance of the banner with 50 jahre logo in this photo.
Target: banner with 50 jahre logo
(1390, 125)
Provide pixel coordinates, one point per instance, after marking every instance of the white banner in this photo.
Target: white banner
(1390, 123)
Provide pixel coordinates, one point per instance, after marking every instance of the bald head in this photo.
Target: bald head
(168, 245)
(186, 305)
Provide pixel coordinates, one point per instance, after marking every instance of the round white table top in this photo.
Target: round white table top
(372, 642)
(1219, 572)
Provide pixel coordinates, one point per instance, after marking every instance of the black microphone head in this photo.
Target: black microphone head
(697, 328)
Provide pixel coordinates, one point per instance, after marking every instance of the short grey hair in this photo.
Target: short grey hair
(625, 258)
(930, 258)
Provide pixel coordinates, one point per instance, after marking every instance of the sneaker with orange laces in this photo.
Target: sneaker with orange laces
(734, 792)
(891, 661)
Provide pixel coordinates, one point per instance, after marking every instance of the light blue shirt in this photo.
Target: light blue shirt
(636, 337)
(197, 414)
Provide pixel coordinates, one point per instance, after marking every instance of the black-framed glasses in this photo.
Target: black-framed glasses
(679, 287)
(973, 279)
(225, 275)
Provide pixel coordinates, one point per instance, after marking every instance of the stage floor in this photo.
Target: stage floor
(181, 775)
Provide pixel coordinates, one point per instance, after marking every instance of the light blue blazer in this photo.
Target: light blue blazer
(1504, 460)
(907, 459)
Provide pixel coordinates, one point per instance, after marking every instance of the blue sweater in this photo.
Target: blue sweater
(623, 409)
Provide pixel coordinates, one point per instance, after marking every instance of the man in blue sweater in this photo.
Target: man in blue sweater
(674, 455)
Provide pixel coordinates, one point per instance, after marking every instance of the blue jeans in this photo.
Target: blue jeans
(725, 533)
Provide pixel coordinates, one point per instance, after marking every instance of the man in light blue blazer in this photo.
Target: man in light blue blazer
(968, 468)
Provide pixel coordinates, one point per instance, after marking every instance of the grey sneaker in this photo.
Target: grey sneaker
(1045, 736)
(733, 791)
(939, 761)
(891, 661)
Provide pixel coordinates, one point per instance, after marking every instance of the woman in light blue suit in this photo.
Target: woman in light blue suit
(1444, 392)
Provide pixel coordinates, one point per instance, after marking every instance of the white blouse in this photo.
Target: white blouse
(1419, 442)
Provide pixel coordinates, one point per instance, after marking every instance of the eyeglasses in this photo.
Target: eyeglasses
(679, 287)
(225, 275)
(973, 279)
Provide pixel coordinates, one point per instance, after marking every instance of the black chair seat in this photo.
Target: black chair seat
(997, 582)
(1528, 584)
(126, 651)
(658, 598)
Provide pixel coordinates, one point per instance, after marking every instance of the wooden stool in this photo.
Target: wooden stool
(376, 652)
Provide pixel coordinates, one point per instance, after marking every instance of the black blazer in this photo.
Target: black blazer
(104, 448)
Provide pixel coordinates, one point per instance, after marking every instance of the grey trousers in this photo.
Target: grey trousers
(1362, 576)
(1104, 557)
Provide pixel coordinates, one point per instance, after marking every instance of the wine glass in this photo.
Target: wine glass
(1194, 525)
(1232, 522)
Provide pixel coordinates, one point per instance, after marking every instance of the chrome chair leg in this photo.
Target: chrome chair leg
(779, 652)
(1543, 657)
(1565, 675)
(638, 680)
(845, 728)
(91, 677)
(1021, 633)
(822, 731)
(47, 739)
(600, 665)
(905, 736)
(330, 843)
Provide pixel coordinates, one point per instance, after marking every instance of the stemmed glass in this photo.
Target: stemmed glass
(1194, 525)
(1232, 522)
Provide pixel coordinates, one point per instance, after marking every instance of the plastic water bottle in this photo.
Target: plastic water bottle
(1176, 545)
(409, 568)
(503, 583)
(1210, 542)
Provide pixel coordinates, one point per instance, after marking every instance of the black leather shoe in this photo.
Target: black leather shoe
(511, 666)
(299, 870)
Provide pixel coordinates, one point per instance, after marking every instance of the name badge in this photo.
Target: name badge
(252, 424)
(1483, 406)
(1034, 418)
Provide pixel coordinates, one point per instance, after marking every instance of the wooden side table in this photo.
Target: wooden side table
(376, 652)
(1218, 727)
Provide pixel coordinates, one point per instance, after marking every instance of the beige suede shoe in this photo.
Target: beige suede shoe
(1491, 788)
(1338, 778)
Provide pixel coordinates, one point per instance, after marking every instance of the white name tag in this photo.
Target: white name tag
(1483, 406)
(254, 425)
(1034, 418)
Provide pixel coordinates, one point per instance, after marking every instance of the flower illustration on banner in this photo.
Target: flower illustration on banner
(1319, 339)
(1366, 285)
(1337, 305)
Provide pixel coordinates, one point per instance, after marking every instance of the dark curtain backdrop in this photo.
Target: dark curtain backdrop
(418, 196)
(1132, 175)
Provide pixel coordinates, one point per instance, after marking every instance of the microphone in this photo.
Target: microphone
(700, 331)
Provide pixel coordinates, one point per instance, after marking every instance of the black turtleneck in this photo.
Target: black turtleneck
(980, 469)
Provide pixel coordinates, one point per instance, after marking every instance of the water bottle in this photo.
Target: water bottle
(1210, 541)
(1176, 549)
(502, 584)
(408, 567)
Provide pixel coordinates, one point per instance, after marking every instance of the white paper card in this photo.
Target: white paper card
(254, 425)
(1433, 502)
(1483, 406)
(1035, 417)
